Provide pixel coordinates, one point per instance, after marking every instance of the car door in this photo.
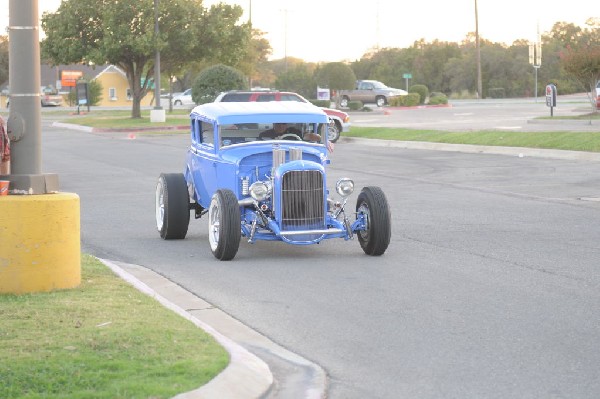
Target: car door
(202, 159)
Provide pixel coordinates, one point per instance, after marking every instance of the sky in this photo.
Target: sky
(343, 30)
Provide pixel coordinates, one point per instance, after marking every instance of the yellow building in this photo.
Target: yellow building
(115, 88)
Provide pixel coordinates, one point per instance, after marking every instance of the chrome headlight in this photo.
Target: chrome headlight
(259, 190)
(344, 187)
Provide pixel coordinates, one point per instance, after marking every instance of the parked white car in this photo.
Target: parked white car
(184, 98)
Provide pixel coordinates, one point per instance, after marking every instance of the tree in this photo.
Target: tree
(299, 79)
(584, 65)
(229, 43)
(218, 38)
(336, 76)
(216, 79)
(581, 60)
(122, 33)
(256, 56)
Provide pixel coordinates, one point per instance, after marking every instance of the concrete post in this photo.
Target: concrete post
(39, 234)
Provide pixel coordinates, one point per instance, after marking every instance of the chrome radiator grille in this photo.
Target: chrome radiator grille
(302, 201)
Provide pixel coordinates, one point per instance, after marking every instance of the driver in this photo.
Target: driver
(279, 129)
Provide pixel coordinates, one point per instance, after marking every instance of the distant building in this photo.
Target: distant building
(115, 87)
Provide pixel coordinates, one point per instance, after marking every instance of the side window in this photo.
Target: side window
(207, 131)
(265, 97)
(196, 131)
(236, 97)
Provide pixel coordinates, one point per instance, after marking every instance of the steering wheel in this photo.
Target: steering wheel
(290, 136)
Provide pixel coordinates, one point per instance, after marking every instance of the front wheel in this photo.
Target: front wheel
(172, 206)
(373, 206)
(333, 132)
(224, 231)
(380, 101)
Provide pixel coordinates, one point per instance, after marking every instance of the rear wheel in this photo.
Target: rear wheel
(172, 206)
(373, 205)
(224, 231)
(344, 101)
(380, 101)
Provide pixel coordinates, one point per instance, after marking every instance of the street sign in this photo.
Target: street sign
(551, 97)
(407, 76)
(70, 78)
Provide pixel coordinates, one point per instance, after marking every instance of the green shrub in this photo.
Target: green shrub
(422, 90)
(321, 103)
(396, 101)
(355, 105)
(409, 100)
(463, 95)
(437, 99)
(497, 92)
(94, 93)
(215, 79)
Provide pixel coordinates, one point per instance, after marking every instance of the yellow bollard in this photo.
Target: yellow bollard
(39, 242)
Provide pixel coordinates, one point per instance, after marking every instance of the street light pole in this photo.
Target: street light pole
(535, 59)
(156, 61)
(158, 113)
(25, 120)
(479, 83)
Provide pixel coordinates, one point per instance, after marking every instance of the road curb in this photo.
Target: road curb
(246, 376)
(477, 149)
(88, 129)
(73, 126)
(563, 121)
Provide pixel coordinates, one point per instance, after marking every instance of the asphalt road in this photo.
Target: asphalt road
(490, 287)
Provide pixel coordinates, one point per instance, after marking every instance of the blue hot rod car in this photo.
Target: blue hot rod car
(256, 184)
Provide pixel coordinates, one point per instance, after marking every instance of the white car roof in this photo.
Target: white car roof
(259, 112)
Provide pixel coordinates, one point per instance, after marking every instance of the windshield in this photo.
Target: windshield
(248, 132)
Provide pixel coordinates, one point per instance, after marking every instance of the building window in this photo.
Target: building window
(129, 98)
(112, 94)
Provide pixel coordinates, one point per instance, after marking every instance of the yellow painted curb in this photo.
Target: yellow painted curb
(39, 242)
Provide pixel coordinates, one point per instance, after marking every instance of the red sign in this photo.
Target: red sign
(69, 78)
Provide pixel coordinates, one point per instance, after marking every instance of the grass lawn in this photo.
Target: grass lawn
(575, 141)
(122, 119)
(567, 140)
(103, 339)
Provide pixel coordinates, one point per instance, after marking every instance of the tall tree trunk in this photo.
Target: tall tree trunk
(134, 77)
